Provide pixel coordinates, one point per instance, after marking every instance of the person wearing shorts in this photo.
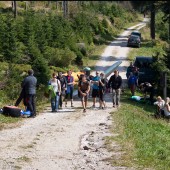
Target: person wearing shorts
(70, 88)
(84, 89)
(95, 88)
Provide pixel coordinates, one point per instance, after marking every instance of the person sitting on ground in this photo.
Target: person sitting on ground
(167, 108)
(102, 89)
(160, 106)
(132, 83)
(84, 89)
(148, 88)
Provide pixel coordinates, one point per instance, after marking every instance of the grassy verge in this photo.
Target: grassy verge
(145, 140)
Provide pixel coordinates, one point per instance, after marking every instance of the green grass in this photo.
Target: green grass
(144, 139)
(94, 57)
(4, 120)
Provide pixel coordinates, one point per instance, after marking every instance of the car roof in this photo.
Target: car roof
(144, 57)
(136, 36)
(135, 31)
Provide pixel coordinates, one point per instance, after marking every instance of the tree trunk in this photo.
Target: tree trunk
(26, 5)
(15, 8)
(152, 23)
(65, 8)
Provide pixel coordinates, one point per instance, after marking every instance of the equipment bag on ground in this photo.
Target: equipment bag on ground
(12, 111)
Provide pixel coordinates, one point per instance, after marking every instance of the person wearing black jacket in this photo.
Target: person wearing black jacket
(115, 83)
(63, 82)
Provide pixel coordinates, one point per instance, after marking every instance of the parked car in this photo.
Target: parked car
(136, 33)
(146, 73)
(134, 41)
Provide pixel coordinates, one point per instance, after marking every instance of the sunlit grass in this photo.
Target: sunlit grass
(144, 139)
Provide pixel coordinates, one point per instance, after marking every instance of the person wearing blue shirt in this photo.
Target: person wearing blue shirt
(95, 87)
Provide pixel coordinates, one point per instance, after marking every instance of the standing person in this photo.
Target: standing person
(102, 88)
(116, 83)
(95, 88)
(70, 87)
(129, 69)
(84, 89)
(55, 83)
(63, 83)
(29, 85)
(132, 82)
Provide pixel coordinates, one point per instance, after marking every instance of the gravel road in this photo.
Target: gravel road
(69, 139)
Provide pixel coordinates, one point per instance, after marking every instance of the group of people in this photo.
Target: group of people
(163, 108)
(64, 86)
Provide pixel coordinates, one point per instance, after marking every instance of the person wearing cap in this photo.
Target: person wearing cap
(29, 85)
(95, 88)
(63, 83)
(115, 82)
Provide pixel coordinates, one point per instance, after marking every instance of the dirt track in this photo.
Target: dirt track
(69, 139)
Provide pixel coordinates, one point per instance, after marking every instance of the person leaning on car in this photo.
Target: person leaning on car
(115, 82)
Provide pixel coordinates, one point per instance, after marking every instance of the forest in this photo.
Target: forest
(40, 35)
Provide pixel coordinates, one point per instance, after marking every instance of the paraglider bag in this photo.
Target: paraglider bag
(12, 111)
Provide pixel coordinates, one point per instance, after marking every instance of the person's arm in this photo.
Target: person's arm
(23, 83)
(88, 90)
(120, 82)
(168, 107)
(59, 86)
(109, 82)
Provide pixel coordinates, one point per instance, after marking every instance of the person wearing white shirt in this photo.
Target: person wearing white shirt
(167, 108)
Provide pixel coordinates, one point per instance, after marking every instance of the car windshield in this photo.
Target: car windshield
(134, 37)
(135, 33)
(143, 62)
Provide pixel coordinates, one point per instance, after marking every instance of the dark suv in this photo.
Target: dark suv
(134, 41)
(146, 73)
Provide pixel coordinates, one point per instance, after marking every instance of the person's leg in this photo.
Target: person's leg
(100, 98)
(117, 97)
(21, 96)
(114, 97)
(60, 100)
(71, 96)
(56, 102)
(94, 97)
(66, 97)
(30, 106)
(53, 104)
(34, 104)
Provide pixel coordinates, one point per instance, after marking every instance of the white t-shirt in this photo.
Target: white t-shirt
(166, 112)
(55, 85)
(160, 104)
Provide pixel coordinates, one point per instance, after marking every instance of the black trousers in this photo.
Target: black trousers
(31, 104)
(21, 97)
